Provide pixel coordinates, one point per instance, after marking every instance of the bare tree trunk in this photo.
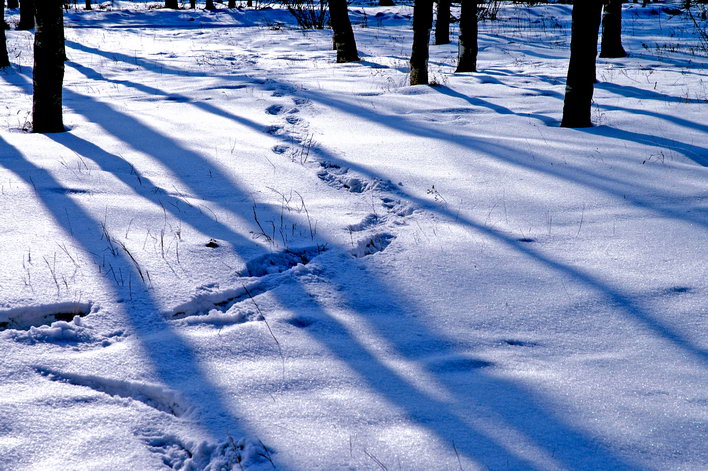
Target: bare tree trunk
(48, 73)
(13, 4)
(209, 5)
(581, 70)
(422, 24)
(612, 30)
(4, 60)
(88, 5)
(172, 4)
(343, 36)
(442, 23)
(26, 15)
(232, 4)
(467, 47)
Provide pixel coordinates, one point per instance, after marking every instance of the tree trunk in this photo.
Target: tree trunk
(48, 73)
(342, 34)
(232, 4)
(172, 4)
(422, 24)
(13, 4)
(442, 23)
(4, 60)
(26, 15)
(612, 30)
(581, 70)
(88, 5)
(467, 48)
(209, 5)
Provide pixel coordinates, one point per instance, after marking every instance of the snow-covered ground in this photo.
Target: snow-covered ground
(246, 256)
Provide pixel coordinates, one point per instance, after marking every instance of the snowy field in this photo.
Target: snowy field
(243, 255)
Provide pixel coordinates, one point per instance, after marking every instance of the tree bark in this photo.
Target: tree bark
(422, 24)
(342, 33)
(48, 73)
(4, 59)
(26, 15)
(13, 4)
(88, 5)
(172, 4)
(467, 47)
(442, 23)
(612, 30)
(232, 4)
(209, 5)
(581, 69)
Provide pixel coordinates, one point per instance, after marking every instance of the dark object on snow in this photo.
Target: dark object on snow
(581, 70)
(212, 244)
(422, 24)
(467, 48)
(611, 46)
(4, 60)
(26, 15)
(386, 3)
(442, 23)
(48, 74)
(342, 34)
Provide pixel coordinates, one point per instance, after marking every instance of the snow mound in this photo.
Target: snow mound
(26, 317)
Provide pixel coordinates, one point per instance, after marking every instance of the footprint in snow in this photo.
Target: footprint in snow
(274, 109)
(271, 271)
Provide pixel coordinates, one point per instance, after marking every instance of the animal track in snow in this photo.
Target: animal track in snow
(280, 149)
(173, 451)
(395, 206)
(369, 221)
(371, 245)
(341, 179)
(23, 318)
(153, 395)
(272, 270)
(275, 109)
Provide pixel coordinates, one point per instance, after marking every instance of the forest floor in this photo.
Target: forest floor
(243, 255)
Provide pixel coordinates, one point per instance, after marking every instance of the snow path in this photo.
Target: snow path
(286, 262)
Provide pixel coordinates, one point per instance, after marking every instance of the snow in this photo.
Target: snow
(243, 255)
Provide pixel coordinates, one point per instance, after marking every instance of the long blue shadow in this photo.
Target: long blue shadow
(170, 357)
(421, 407)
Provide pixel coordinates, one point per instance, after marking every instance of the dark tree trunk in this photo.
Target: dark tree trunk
(26, 15)
(4, 60)
(88, 5)
(193, 4)
(612, 30)
(442, 23)
(172, 4)
(232, 4)
(209, 5)
(342, 34)
(48, 73)
(249, 3)
(422, 24)
(581, 70)
(13, 4)
(467, 48)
